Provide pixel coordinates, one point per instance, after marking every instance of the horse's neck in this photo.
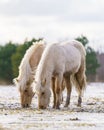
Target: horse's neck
(46, 72)
(35, 58)
(29, 64)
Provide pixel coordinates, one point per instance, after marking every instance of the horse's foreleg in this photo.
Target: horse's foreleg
(54, 93)
(58, 84)
(69, 89)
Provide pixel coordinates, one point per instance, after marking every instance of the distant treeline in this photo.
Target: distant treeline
(11, 55)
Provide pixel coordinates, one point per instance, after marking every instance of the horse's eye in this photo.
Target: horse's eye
(25, 91)
(28, 83)
(42, 93)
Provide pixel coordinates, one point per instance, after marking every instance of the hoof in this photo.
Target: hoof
(65, 105)
(57, 107)
(53, 106)
(79, 105)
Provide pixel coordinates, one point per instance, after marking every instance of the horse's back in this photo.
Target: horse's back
(72, 57)
(79, 46)
(64, 57)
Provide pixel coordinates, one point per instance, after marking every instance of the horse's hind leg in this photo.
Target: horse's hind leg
(54, 93)
(69, 88)
(81, 84)
(62, 88)
(58, 83)
(79, 101)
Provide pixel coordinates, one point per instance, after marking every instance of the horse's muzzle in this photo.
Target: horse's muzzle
(25, 105)
(42, 107)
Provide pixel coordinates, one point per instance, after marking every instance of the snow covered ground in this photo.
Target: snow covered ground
(89, 117)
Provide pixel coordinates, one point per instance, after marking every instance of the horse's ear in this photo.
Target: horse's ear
(35, 81)
(28, 82)
(16, 80)
(43, 82)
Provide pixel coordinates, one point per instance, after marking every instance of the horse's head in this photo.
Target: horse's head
(26, 96)
(26, 93)
(44, 98)
(44, 93)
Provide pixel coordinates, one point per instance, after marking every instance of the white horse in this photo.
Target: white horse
(62, 61)
(26, 72)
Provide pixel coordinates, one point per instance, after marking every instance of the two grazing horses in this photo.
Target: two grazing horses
(58, 63)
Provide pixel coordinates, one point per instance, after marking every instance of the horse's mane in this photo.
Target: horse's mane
(41, 70)
(25, 70)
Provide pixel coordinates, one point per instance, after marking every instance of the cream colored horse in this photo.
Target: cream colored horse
(26, 72)
(61, 61)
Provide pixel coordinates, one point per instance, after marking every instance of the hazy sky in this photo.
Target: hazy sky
(53, 20)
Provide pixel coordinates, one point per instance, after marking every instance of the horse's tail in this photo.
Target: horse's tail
(79, 79)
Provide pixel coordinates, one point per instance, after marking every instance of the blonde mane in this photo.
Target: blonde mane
(25, 70)
(41, 70)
